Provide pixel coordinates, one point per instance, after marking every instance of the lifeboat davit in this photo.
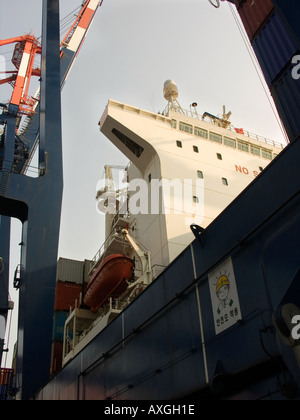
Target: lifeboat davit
(109, 281)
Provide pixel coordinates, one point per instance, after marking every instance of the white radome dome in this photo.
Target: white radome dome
(170, 90)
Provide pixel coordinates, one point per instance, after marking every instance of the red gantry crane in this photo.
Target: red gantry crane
(23, 59)
(21, 103)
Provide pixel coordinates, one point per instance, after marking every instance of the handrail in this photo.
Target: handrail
(234, 129)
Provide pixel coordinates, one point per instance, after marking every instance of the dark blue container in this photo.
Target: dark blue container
(276, 42)
(290, 11)
(59, 320)
(274, 47)
(286, 95)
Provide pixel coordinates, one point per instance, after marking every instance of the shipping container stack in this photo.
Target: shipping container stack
(71, 280)
(6, 384)
(274, 32)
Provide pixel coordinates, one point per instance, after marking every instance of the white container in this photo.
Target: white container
(70, 271)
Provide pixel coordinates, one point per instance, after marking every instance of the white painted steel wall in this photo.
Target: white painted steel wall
(166, 235)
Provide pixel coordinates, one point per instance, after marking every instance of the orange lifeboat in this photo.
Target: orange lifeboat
(109, 280)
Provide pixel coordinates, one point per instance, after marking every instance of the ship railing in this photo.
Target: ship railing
(113, 306)
(194, 114)
(256, 137)
(98, 258)
(121, 216)
(100, 253)
(122, 304)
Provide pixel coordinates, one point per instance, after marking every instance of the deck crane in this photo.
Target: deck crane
(27, 122)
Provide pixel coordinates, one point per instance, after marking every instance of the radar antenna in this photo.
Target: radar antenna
(171, 95)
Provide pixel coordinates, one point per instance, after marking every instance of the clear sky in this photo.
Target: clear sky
(131, 49)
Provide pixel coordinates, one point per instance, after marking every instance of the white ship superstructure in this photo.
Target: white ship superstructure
(197, 164)
(183, 170)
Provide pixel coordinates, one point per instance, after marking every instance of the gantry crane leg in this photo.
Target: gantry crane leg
(37, 203)
(4, 275)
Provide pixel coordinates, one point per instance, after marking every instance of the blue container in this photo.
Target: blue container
(59, 320)
(290, 11)
(274, 47)
(286, 95)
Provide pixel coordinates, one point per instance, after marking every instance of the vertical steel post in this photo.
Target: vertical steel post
(41, 227)
(37, 203)
(9, 146)
(4, 276)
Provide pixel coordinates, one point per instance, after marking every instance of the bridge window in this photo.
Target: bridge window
(255, 150)
(244, 147)
(200, 132)
(187, 128)
(174, 124)
(215, 137)
(266, 154)
(135, 148)
(230, 142)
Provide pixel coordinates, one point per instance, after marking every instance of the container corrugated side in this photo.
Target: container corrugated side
(5, 376)
(87, 268)
(6, 379)
(59, 320)
(65, 295)
(290, 12)
(286, 95)
(254, 13)
(70, 271)
(274, 47)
